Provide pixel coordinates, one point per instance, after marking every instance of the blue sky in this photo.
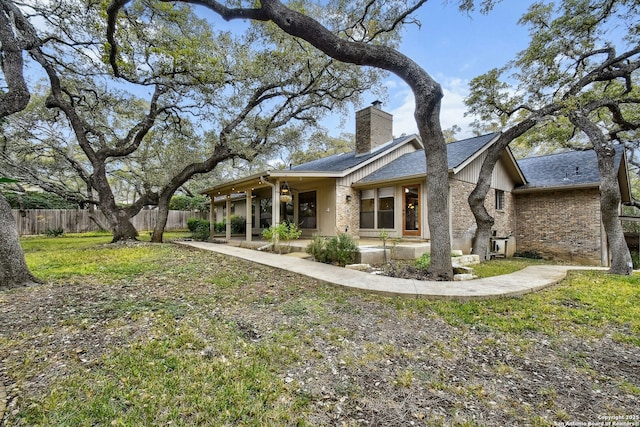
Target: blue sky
(454, 47)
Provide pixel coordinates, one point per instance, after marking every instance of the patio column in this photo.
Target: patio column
(228, 218)
(212, 217)
(275, 205)
(248, 216)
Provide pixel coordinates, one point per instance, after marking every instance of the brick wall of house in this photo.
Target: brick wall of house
(560, 224)
(463, 224)
(347, 213)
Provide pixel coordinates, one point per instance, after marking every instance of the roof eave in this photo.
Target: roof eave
(475, 155)
(304, 174)
(223, 188)
(623, 179)
(556, 188)
(388, 181)
(408, 138)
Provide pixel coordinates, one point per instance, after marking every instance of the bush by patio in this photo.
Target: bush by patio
(340, 249)
(199, 228)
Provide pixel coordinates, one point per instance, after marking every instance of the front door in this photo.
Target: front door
(411, 210)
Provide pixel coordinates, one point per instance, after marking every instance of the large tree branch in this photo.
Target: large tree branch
(17, 96)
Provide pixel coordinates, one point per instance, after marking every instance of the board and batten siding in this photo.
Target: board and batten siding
(375, 165)
(500, 177)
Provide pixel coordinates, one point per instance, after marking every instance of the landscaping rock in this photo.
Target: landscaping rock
(359, 267)
(461, 277)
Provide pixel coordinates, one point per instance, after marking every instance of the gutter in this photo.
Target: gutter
(555, 188)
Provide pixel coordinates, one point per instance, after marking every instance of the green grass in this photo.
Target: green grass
(498, 267)
(175, 379)
(76, 255)
(587, 304)
(202, 339)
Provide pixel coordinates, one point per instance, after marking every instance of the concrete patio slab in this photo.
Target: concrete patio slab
(529, 279)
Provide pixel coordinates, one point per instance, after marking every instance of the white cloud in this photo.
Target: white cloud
(451, 113)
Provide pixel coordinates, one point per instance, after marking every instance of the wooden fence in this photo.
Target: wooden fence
(38, 221)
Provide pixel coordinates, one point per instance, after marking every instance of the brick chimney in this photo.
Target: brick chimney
(374, 127)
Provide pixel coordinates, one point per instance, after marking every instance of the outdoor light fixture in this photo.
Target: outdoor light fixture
(348, 198)
(285, 193)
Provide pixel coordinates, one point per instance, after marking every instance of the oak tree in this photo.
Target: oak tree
(572, 58)
(361, 34)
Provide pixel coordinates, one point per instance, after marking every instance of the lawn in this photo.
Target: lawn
(158, 334)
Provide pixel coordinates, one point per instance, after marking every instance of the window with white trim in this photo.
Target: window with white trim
(367, 208)
(386, 204)
(377, 208)
(499, 200)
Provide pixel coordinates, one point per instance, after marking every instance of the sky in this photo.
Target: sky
(453, 47)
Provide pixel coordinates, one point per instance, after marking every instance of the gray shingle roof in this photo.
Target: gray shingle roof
(346, 161)
(414, 163)
(569, 168)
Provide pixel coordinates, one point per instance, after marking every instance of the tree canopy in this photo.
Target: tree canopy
(218, 96)
(577, 77)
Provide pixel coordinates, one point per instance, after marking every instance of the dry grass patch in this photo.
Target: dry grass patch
(170, 335)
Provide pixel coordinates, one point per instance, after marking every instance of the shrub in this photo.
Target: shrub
(635, 257)
(238, 224)
(192, 224)
(318, 248)
(340, 249)
(528, 254)
(200, 228)
(283, 232)
(424, 261)
(55, 232)
(37, 200)
(189, 203)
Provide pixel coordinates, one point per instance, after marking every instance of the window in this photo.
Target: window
(367, 208)
(386, 207)
(377, 207)
(307, 209)
(499, 200)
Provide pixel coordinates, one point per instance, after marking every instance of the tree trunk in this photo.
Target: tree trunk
(428, 118)
(610, 198)
(484, 223)
(13, 267)
(161, 221)
(119, 223)
(122, 228)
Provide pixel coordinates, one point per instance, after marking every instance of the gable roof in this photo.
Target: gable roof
(345, 161)
(571, 168)
(335, 166)
(459, 154)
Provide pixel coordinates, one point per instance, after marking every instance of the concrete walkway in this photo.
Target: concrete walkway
(527, 280)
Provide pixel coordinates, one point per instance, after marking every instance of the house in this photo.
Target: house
(543, 205)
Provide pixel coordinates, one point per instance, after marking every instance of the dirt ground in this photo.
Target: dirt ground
(369, 361)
